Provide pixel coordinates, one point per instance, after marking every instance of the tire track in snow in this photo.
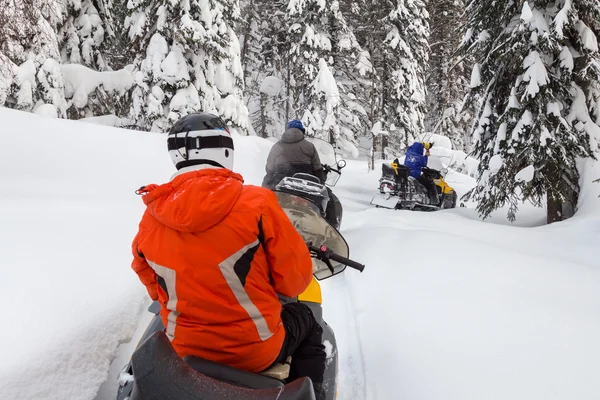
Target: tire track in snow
(341, 315)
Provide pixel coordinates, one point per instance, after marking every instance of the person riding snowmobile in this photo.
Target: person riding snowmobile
(415, 161)
(290, 155)
(293, 154)
(215, 253)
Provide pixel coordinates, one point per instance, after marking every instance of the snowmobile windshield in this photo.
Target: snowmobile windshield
(328, 157)
(315, 230)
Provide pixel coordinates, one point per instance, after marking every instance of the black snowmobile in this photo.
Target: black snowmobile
(156, 372)
(327, 201)
(400, 191)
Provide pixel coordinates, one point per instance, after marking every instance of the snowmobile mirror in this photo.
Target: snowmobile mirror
(341, 164)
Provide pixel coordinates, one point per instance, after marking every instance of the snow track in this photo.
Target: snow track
(352, 372)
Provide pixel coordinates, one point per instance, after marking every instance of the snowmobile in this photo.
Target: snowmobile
(156, 372)
(320, 192)
(400, 191)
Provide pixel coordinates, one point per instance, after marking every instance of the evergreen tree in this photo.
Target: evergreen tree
(534, 59)
(324, 71)
(352, 71)
(404, 60)
(84, 32)
(447, 80)
(30, 74)
(310, 42)
(188, 60)
(265, 46)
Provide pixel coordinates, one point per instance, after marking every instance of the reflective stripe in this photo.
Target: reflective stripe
(168, 276)
(227, 268)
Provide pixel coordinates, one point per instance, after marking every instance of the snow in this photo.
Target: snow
(562, 18)
(467, 37)
(493, 311)
(107, 120)
(376, 130)
(438, 140)
(174, 67)
(81, 81)
(566, 59)
(587, 36)
(526, 174)
(46, 110)
(271, 86)
(535, 74)
(553, 108)
(589, 196)
(67, 214)
(579, 112)
(496, 162)
(526, 13)
(475, 76)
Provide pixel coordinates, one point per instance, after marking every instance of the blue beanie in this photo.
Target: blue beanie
(296, 124)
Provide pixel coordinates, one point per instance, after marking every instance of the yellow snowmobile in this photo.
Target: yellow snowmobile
(400, 191)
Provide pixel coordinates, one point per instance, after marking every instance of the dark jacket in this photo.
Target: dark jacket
(415, 160)
(292, 154)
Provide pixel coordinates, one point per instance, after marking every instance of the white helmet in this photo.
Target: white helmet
(200, 138)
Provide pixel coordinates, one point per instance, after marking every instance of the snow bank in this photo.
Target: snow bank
(107, 120)
(68, 214)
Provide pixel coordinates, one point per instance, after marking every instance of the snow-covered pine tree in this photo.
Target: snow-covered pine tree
(188, 60)
(89, 37)
(263, 35)
(533, 59)
(402, 72)
(352, 71)
(446, 79)
(393, 35)
(364, 17)
(84, 32)
(588, 69)
(323, 71)
(311, 42)
(30, 75)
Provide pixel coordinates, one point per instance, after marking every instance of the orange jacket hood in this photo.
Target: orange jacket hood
(194, 201)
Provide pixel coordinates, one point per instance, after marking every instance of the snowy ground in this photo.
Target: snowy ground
(452, 308)
(448, 307)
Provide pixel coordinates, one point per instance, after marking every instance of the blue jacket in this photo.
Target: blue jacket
(415, 160)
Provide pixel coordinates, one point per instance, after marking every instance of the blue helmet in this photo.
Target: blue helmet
(296, 124)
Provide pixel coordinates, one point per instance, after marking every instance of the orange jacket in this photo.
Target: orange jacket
(214, 253)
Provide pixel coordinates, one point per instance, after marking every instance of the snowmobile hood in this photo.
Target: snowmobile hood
(292, 135)
(416, 148)
(194, 201)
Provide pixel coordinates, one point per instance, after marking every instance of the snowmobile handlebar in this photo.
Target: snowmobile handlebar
(325, 253)
(328, 169)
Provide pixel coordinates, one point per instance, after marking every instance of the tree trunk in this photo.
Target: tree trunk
(263, 119)
(554, 208)
(247, 32)
(553, 198)
(287, 84)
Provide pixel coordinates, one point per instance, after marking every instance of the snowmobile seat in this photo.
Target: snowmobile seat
(307, 177)
(232, 375)
(159, 373)
(279, 371)
(389, 173)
